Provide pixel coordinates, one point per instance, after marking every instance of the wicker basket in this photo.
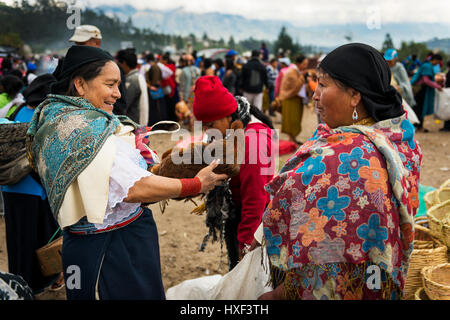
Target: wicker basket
(421, 294)
(436, 281)
(439, 221)
(446, 184)
(429, 199)
(442, 194)
(426, 252)
(423, 222)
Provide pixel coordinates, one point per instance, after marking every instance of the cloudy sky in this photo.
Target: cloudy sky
(307, 12)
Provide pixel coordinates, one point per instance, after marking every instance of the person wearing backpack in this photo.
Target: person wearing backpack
(28, 219)
(253, 79)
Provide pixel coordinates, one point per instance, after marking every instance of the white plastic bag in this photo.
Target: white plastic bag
(247, 281)
(410, 114)
(194, 289)
(442, 104)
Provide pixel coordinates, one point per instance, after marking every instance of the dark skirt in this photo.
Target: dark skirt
(126, 263)
(157, 110)
(170, 106)
(29, 226)
(231, 240)
(420, 100)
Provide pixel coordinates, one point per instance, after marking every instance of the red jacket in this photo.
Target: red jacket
(248, 187)
(170, 81)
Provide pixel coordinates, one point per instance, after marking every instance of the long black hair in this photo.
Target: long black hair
(242, 114)
(261, 116)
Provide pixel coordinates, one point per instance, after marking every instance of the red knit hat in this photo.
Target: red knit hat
(212, 101)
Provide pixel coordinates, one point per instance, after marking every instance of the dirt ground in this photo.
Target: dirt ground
(181, 233)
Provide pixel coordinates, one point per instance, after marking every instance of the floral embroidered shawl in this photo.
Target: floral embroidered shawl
(64, 136)
(344, 201)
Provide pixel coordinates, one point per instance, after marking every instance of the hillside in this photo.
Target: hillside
(217, 25)
(443, 44)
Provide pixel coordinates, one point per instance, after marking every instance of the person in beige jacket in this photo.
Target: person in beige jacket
(291, 96)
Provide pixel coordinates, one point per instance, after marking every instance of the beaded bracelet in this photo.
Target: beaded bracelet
(190, 187)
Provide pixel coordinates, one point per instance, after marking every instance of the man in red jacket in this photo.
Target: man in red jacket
(169, 86)
(218, 109)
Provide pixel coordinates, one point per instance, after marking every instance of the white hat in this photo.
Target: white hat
(285, 60)
(85, 32)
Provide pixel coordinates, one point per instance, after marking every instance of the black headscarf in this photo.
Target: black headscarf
(37, 91)
(76, 57)
(364, 69)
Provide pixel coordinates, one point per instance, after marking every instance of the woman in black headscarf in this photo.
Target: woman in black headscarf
(340, 221)
(362, 70)
(93, 166)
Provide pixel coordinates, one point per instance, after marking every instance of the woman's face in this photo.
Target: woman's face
(302, 66)
(222, 125)
(102, 91)
(333, 102)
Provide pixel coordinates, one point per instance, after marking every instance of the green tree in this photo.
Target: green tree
(387, 43)
(179, 42)
(231, 43)
(250, 44)
(285, 43)
(11, 40)
(409, 48)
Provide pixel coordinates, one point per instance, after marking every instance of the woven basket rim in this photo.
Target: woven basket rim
(431, 234)
(436, 195)
(421, 219)
(428, 269)
(437, 205)
(429, 197)
(430, 252)
(418, 292)
(423, 229)
(440, 247)
(426, 195)
(446, 183)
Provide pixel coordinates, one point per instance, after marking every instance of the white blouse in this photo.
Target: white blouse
(99, 190)
(128, 168)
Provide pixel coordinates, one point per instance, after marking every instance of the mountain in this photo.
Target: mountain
(443, 44)
(218, 25)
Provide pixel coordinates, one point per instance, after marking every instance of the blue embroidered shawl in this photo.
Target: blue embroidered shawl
(65, 135)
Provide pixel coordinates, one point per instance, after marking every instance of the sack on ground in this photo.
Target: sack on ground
(247, 281)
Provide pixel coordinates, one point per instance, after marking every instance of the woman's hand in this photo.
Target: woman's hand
(252, 247)
(254, 244)
(156, 188)
(209, 179)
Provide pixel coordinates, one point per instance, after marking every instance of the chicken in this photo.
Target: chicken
(187, 162)
(184, 114)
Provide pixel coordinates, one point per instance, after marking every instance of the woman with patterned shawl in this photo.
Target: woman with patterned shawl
(93, 166)
(340, 221)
